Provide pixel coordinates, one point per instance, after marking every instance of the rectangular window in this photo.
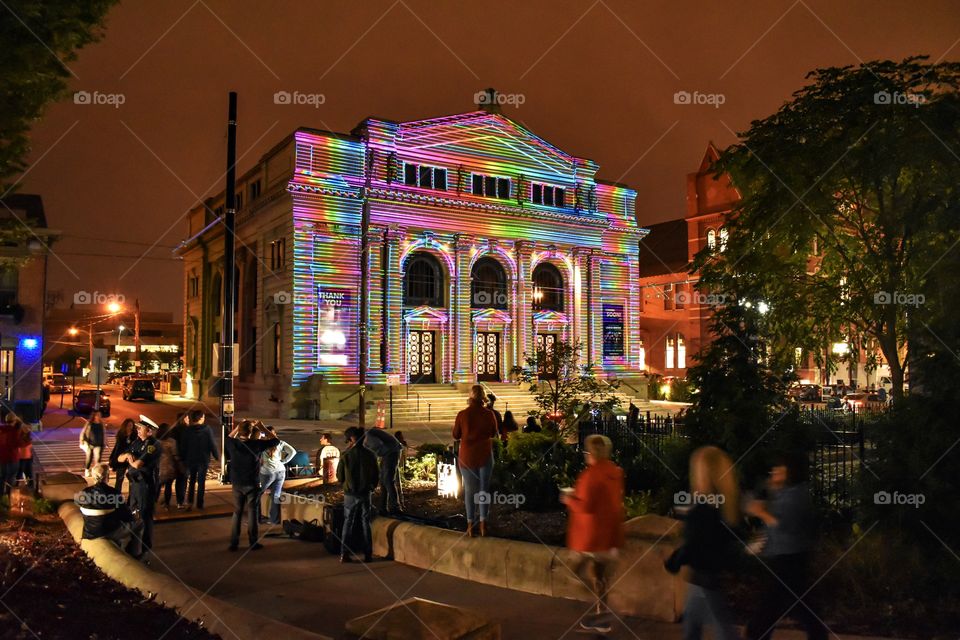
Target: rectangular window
(9, 287)
(193, 286)
(239, 201)
(421, 175)
(681, 354)
(491, 186)
(254, 190)
(278, 254)
(680, 295)
(276, 348)
(548, 195)
(668, 297)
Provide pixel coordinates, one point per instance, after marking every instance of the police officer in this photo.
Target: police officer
(144, 475)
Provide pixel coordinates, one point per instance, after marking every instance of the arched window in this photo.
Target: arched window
(547, 288)
(671, 347)
(423, 282)
(681, 352)
(488, 285)
(724, 235)
(711, 238)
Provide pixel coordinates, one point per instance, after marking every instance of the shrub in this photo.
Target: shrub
(42, 506)
(536, 465)
(637, 504)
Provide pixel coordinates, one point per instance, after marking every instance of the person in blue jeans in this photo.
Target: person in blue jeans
(358, 474)
(273, 472)
(476, 429)
(197, 447)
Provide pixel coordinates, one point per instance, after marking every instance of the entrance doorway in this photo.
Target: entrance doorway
(488, 356)
(421, 354)
(545, 344)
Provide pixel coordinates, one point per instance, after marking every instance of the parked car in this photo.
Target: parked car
(805, 393)
(139, 389)
(57, 383)
(85, 402)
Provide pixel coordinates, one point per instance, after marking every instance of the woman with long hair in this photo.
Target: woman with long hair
(171, 468)
(273, 471)
(476, 428)
(709, 543)
(509, 425)
(126, 436)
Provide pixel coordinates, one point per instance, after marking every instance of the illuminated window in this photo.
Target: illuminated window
(643, 356)
(491, 186)
(548, 195)
(681, 353)
(711, 239)
(547, 288)
(724, 236)
(488, 285)
(423, 281)
(420, 175)
(670, 349)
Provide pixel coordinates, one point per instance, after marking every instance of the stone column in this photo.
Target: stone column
(594, 312)
(393, 301)
(523, 310)
(460, 312)
(375, 325)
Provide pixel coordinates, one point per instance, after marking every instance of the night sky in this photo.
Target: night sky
(597, 79)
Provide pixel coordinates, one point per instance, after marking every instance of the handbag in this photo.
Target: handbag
(306, 531)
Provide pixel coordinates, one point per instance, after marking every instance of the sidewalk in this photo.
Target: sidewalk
(301, 584)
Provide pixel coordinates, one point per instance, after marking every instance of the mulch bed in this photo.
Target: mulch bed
(49, 588)
(421, 501)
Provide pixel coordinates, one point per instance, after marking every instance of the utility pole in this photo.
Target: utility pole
(229, 268)
(136, 332)
(364, 290)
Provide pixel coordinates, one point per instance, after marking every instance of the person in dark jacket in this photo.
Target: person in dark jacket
(126, 436)
(491, 402)
(198, 446)
(509, 425)
(245, 444)
(531, 426)
(106, 514)
(708, 542)
(358, 474)
(387, 449)
(143, 460)
(788, 516)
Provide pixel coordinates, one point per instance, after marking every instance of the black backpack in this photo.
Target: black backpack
(305, 531)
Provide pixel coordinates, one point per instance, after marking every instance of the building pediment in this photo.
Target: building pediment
(491, 316)
(425, 314)
(480, 136)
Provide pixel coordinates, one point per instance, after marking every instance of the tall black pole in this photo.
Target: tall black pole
(229, 269)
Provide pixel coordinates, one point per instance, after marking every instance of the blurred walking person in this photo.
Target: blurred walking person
(476, 428)
(91, 441)
(9, 452)
(789, 520)
(595, 528)
(25, 454)
(358, 474)
(709, 543)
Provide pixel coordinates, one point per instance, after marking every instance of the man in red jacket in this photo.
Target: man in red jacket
(595, 528)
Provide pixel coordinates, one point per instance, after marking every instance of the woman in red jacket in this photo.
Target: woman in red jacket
(476, 428)
(595, 527)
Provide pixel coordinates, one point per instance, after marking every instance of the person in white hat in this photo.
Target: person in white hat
(144, 475)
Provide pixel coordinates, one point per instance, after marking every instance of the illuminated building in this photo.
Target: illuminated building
(485, 241)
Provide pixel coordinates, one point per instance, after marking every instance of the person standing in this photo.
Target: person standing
(199, 447)
(491, 401)
(91, 441)
(245, 444)
(357, 473)
(9, 451)
(387, 449)
(25, 454)
(143, 460)
(475, 428)
(171, 467)
(595, 528)
(510, 425)
(788, 516)
(531, 426)
(126, 436)
(273, 472)
(709, 544)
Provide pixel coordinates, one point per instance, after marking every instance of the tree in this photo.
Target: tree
(562, 384)
(39, 39)
(841, 189)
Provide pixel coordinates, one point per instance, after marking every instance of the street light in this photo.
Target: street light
(114, 307)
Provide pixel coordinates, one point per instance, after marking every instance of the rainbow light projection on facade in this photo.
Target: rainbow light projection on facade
(592, 240)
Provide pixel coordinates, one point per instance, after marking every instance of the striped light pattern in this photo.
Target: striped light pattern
(593, 240)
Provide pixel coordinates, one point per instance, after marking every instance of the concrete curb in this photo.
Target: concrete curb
(640, 586)
(190, 603)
